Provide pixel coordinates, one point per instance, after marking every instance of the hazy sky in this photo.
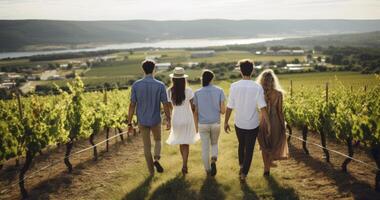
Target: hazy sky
(189, 9)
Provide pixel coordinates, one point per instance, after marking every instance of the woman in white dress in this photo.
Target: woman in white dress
(183, 132)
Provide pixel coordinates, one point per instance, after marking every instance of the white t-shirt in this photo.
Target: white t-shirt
(246, 98)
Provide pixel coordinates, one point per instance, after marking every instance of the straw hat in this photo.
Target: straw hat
(178, 72)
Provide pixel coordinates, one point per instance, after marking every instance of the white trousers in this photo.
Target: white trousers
(209, 134)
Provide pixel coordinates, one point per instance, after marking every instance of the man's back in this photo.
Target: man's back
(208, 100)
(246, 96)
(148, 93)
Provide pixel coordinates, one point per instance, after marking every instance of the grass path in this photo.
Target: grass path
(121, 173)
(301, 177)
(172, 185)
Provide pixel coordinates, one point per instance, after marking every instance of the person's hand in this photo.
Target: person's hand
(168, 125)
(130, 128)
(227, 128)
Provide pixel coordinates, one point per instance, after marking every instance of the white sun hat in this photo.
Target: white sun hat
(178, 72)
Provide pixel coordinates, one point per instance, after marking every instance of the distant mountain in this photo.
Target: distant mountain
(17, 34)
(371, 39)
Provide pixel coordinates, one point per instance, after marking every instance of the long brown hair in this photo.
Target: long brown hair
(269, 81)
(178, 90)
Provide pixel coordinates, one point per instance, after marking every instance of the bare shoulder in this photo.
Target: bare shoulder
(279, 94)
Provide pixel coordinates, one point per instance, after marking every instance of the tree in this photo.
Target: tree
(337, 59)
(328, 60)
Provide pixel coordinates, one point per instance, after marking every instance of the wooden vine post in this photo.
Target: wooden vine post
(287, 124)
(304, 137)
(322, 131)
(29, 154)
(107, 126)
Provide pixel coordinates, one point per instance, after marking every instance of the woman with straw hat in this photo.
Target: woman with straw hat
(183, 131)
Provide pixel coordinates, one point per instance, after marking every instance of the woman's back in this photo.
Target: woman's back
(183, 127)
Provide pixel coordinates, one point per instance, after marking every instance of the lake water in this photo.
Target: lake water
(185, 43)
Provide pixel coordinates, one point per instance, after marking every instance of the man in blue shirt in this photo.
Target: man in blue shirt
(146, 97)
(209, 105)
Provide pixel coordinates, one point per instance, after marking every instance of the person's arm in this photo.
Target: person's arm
(166, 102)
(222, 107)
(167, 110)
(195, 114)
(265, 118)
(227, 128)
(196, 119)
(131, 112)
(230, 106)
(281, 111)
(132, 107)
(263, 110)
(222, 103)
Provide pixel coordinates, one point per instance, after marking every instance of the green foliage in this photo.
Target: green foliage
(346, 114)
(48, 120)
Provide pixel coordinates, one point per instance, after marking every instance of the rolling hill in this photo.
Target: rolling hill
(370, 39)
(15, 35)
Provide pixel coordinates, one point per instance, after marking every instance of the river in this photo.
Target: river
(183, 43)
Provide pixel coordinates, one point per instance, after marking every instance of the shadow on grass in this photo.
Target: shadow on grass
(248, 193)
(211, 190)
(346, 182)
(176, 188)
(9, 173)
(141, 191)
(280, 192)
(64, 179)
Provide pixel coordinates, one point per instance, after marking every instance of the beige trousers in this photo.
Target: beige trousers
(145, 132)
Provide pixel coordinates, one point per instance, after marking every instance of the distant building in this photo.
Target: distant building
(192, 64)
(284, 52)
(32, 77)
(109, 58)
(14, 76)
(153, 57)
(298, 52)
(163, 66)
(294, 67)
(3, 75)
(83, 65)
(202, 54)
(258, 52)
(64, 66)
(55, 77)
(269, 52)
(7, 85)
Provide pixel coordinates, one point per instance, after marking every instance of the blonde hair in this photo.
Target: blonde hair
(269, 81)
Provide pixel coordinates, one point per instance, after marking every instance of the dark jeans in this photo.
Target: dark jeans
(247, 140)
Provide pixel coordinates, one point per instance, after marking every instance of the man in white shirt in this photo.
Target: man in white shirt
(246, 98)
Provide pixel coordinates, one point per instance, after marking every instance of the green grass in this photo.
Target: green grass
(132, 67)
(136, 184)
(319, 80)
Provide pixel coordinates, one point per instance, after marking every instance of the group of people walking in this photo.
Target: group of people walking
(191, 116)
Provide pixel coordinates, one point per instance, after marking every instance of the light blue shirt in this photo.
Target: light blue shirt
(208, 100)
(148, 93)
